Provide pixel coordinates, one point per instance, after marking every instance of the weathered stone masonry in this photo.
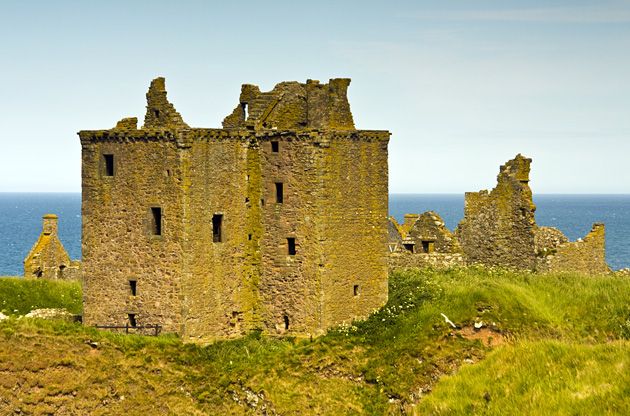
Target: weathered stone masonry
(275, 222)
(498, 229)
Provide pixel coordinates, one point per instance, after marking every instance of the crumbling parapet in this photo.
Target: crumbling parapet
(585, 255)
(293, 106)
(161, 114)
(48, 258)
(498, 226)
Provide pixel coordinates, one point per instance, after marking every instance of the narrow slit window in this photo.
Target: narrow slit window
(244, 107)
(249, 237)
(133, 287)
(156, 220)
(275, 147)
(285, 318)
(291, 246)
(108, 164)
(279, 192)
(356, 290)
(217, 225)
(132, 320)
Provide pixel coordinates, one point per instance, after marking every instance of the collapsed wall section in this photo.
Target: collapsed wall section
(586, 255)
(498, 226)
(294, 106)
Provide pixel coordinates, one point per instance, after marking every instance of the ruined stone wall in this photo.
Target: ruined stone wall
(498, 226)
(583, 256)
(397, 261)
(48, 259)
(294, 106)
(119, 245)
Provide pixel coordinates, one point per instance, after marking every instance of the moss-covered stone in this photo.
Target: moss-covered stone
(294, 171)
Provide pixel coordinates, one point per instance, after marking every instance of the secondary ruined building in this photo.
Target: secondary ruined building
(48, 259)
(498, 226)
(422, 240)
(498, 229)
(276, 222)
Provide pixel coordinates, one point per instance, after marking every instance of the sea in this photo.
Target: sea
(21, 220)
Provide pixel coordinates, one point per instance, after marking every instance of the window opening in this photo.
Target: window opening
(249, 237)
(244, 107)
(133, 287)
(285, 318)
(275, 147)
(156, 220)
(217, 225)
(132, 320)
(409, 247)
(356, 290)
(279, 192)
(109, 165)
(291, 245)
(428, 246)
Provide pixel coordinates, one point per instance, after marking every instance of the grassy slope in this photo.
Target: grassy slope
(568, 349)
(19, 296)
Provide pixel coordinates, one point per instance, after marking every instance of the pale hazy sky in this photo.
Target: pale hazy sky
(462, 85)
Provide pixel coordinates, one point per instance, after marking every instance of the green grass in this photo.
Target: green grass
(564, 333)
(539, 378)
(19, 296)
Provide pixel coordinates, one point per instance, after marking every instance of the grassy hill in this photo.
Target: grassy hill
(549, 344)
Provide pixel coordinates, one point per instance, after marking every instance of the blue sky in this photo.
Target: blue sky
(462, 85)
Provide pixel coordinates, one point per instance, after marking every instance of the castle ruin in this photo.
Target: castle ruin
(498, 229)
(276, 222)
(48, 259)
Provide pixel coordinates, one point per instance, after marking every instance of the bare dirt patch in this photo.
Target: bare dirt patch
(487, 336)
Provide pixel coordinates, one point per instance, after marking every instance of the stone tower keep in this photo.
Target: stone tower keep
(276, 222)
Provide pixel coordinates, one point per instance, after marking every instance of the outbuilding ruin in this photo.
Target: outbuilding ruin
(48, 259)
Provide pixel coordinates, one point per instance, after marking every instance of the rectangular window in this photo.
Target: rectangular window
(275, 147)
(156, 220)
(217, 224)
(291, 246)
(132, 320)
(356, 290)
(428, 246)
(409, 247)
(132, 287)
(279, 192)
(108, 165)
